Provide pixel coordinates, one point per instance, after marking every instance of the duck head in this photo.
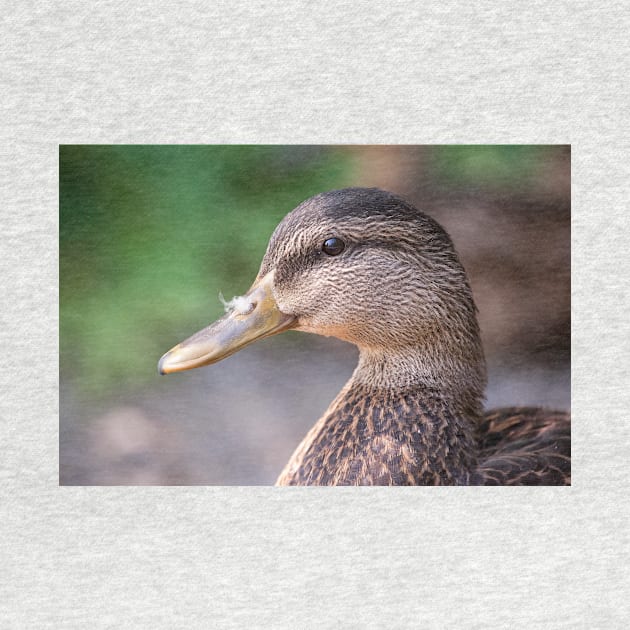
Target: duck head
(365, 266)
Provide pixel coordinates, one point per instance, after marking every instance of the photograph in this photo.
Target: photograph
(328, 315)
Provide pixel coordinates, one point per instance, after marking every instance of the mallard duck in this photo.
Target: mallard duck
(367, 267)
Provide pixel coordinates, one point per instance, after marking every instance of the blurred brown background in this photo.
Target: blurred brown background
(150, 235)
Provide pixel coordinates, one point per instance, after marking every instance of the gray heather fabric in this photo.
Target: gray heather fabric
(303, 72)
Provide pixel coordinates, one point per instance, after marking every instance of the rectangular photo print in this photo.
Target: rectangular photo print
(315, 315)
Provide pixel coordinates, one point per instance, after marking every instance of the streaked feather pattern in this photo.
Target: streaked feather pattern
(372, 437)
(524, 446)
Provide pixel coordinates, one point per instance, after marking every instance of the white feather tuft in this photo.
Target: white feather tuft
(238, 303)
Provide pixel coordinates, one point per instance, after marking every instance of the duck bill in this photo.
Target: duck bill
(255, 316)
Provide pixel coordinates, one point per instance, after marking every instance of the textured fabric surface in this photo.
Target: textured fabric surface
(330, 72)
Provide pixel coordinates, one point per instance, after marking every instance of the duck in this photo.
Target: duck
(366, 266)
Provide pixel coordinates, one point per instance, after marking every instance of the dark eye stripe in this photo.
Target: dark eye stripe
(333, 246)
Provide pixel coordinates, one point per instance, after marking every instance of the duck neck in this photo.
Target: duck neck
(433, 410)
(458, 381)
(396, 422)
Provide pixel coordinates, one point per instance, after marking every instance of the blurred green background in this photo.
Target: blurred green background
(149, 235)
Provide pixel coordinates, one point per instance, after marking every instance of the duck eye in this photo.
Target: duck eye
(333, 246)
